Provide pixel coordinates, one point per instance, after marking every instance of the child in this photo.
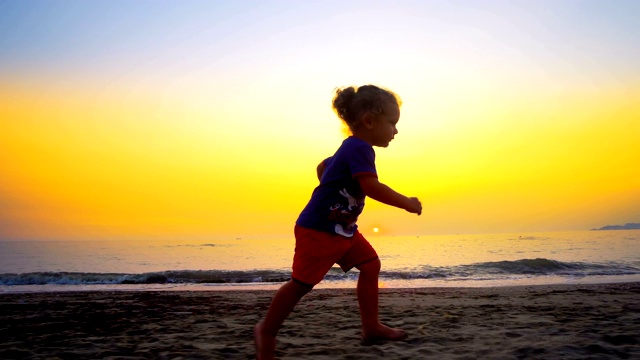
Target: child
(326, 231)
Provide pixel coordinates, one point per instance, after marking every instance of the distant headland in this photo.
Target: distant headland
(627, 226)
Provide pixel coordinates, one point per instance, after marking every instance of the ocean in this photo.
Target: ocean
(483, 260)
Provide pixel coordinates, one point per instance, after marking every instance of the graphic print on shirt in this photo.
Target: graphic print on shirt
(346, 214)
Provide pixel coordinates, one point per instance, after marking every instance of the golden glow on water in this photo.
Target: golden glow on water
(437, 257)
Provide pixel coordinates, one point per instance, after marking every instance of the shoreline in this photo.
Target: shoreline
(573, 321)
(326, 284)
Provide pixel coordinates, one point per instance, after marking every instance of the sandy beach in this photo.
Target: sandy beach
(533, 322)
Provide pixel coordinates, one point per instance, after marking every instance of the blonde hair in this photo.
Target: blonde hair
(351, 103)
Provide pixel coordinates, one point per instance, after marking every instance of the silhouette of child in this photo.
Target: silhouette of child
(326, 231)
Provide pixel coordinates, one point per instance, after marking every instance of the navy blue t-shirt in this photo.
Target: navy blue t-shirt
(338, 201)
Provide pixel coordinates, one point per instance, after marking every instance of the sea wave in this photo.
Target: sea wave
(161, 277)
(478, 271)
(532, 267)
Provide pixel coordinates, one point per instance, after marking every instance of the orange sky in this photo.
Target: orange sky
(180, 133)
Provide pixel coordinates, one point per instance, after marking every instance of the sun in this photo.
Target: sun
(375, 230)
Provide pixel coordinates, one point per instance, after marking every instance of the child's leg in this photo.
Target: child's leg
(367, 292)
(281, 306)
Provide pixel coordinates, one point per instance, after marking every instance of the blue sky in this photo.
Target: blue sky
(118, 36)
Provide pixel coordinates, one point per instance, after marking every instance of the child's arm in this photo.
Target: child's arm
(381, 192)
(321, 167)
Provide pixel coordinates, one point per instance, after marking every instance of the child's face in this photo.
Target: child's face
(384, 126)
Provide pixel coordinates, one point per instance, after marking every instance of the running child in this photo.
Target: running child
(326, 231)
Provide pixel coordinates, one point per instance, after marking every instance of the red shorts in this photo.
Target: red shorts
(317, 251)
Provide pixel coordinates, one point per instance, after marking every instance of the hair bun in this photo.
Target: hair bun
(342, 102)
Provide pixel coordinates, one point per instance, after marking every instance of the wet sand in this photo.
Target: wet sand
(532, 322)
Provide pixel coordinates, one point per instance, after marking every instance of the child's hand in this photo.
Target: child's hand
(414, 206)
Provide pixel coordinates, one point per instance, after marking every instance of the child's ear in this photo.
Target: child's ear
(367, 120)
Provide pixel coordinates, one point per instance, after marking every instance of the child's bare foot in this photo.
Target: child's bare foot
(265, 344)
(383, 332)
